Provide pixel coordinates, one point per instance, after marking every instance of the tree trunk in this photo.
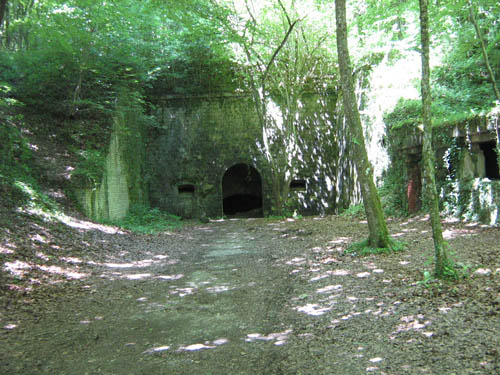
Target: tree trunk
(378, 233)
(3, 7)
(483, 51)
(441, 257)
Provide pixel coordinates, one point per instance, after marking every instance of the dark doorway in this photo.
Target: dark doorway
(242, 191)
(490, 160)
(183, 189)
(298, 185)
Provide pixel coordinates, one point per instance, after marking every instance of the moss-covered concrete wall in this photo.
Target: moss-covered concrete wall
(198, 139)
(122, 180)
(466, 168)
(109, 200)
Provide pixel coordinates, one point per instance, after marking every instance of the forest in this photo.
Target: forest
(189, 173)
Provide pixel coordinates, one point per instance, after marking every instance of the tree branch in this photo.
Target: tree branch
(283, 42)
(286, 13)
(483, 50)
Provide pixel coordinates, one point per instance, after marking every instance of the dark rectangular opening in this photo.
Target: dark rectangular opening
(298, 185)
(186, 189)
(490, 160)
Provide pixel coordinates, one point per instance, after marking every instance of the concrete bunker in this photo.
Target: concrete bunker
(187, 200)
(298, 185)
(242, 191)
(490, 160)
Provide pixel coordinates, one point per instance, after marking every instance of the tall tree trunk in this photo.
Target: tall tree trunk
(3, 7)
(441, 258)
(483, 51)
(490, 71)
(378, 233)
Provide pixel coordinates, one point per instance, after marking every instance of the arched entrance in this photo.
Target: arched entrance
(242, 191)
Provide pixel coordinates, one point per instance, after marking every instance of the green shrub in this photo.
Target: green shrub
(362, 248)
(90, 168)
(144, 219)
(408, 112)
(356, 210)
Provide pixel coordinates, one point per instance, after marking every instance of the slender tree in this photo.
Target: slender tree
(491, 74)
(378, 233)
(479, 35)
(282, 55)
(260, 75)
(441, 258)
(3, 7)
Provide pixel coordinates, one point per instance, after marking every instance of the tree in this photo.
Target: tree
(3, 7)
(491, 74)
(462, 81)
(378, 234)
(14, 17)
(282, 56)
(442, 264)
(260, 74)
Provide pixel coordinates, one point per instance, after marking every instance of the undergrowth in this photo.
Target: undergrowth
(355, 210)
(143, 219)
(362, 248)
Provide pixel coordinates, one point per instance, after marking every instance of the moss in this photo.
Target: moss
(115, 181)
(363, 248)
(89, 170)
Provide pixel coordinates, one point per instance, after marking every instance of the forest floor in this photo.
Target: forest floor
(248, 296)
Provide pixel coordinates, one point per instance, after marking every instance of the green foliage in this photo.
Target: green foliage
(15, 154)
(362, 249)
(427, 279)
(355, 210)
(452, 272)
(407, 113)
(462, 84)
(286, 215)
(34, 200)
(76, 54)
(393, 195)
(445, 111)
(90, 168)
(143, 219)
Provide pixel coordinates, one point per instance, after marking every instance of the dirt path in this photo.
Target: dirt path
(261, 297)
(205, 305)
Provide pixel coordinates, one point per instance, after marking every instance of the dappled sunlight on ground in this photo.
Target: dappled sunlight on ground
(279, 338)
(340, 240)
(219, 288)
(69, 273)
(70, 221)
(88, 225)
(5, 250)
(232, 293)
(412, 323)
(139, 264)
(136, 276)
(189, 348)
(19, 269)
(313, 309)
(457, 232)
(329, 289)
(181, 292)
(170, 277)
(158, 349)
